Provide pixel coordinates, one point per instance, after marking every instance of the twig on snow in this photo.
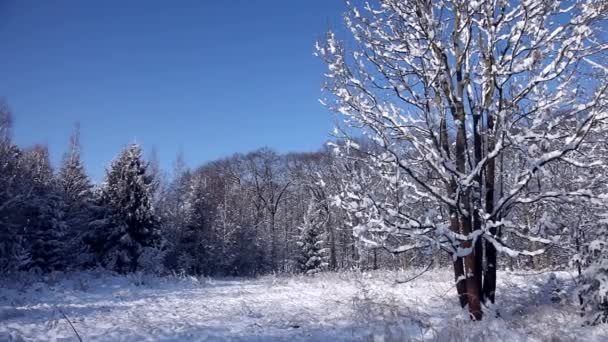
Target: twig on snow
(71, 325)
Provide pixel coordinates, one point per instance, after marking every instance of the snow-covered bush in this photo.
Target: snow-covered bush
(150, 260)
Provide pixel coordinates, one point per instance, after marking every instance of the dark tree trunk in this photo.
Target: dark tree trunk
(459, 278)
(473, 291)
(489, 284)
(470, 261)
(461, 287)
(333, 263)
(478, 249)
(273, 244)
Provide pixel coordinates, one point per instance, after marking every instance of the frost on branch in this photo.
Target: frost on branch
(477, 114)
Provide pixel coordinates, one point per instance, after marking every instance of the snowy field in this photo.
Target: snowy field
(332, 306)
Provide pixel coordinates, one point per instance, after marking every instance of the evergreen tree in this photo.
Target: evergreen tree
(11, 196)
(127, 194)
(593, 287)
(173, 212)
(47, 232)
(42, 214)
(313, 257)
(72, 178)
(75, 188)
(197, 243)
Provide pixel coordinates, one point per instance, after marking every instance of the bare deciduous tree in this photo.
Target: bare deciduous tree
(448, 89)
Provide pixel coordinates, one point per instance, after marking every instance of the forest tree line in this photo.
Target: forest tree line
(248, 214)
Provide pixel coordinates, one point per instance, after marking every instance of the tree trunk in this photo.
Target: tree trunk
(489, 282)
(333, 263)
(473, 292)
(461, 287)
(470, 262)
(454, 224)
(375, 259)
(478, 248)
(273, 243)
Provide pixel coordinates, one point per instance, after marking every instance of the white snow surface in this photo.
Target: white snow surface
(347, 306)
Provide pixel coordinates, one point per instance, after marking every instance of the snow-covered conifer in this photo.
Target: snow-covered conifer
(76, 190)
(593, 286)
(197, 240)
(127, 194)
(72, 178)
(313, 257)
(43, 215)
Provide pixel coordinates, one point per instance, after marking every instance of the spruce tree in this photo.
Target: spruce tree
(72, 178)
(127, 194)
(197, 244)
(43, 213)
(173, 212)
(47, 233)
(75, 188)
(313, 257)
(11, 197)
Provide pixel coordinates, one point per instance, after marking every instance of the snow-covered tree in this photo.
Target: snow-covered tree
(72, 177)
(31, 225)
(313, 258)
(43, 214)
(127, 195)
(311, 174)
(450, 91)
(76, 192)
(589, 242)
(239, 216)
(46, 233)
(12, 195)
(269, 186)
(197, 245)
(173, 211)
(593, 291)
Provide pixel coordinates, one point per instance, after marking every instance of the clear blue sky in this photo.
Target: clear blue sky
(210, 78)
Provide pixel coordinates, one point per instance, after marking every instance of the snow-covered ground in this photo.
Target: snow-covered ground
(333, 306)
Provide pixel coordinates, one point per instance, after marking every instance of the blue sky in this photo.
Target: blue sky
(209, 78)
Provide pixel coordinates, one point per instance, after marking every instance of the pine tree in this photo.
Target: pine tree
(75, 188)
(197, 244)
(47, 233)
(127, 194)
(72, 178)
(313, 257)
(43, 214)
(11, 196)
